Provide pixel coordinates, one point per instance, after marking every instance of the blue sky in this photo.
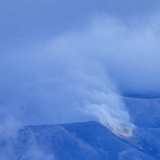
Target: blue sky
(55, 53)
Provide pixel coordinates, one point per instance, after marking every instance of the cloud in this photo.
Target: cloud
(80, 74)
(130, 53)
(53, 81)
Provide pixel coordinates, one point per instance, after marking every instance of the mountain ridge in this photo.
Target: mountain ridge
(81, 140)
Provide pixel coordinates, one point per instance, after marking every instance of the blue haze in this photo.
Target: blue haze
(67, 61)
